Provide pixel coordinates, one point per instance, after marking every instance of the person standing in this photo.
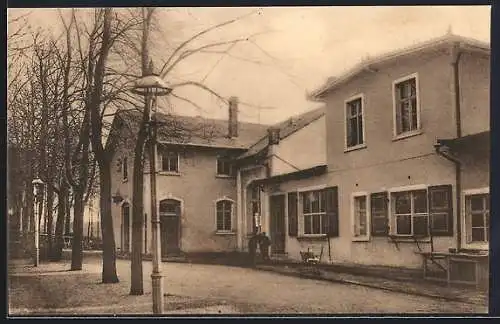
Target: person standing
(264, 244)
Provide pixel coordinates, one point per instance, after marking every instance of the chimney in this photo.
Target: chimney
(233, 117)
(273, 135)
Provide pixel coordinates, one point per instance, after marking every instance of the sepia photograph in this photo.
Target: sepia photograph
(248, 161)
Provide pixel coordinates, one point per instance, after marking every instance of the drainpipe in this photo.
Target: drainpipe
(239, 207)
(455, 56)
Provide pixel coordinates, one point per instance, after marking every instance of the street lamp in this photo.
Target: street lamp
(38, 187)
(152, 86)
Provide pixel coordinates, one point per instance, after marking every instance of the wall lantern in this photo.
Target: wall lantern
(117, 197)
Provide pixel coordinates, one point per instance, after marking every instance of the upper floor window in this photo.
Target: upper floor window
(354, 122)
(124, 169)
(406, 109)
(224, 215)
(224, 167)
(170, 161)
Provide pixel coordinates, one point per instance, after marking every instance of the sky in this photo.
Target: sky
(291, 50)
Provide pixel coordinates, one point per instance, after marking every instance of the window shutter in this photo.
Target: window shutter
(292, 214)
(379, 217)
(443, 207)
(468, 221)
(332, 211)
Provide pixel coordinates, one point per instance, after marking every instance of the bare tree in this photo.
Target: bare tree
(179, 54)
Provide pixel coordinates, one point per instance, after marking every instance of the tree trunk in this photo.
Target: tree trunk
(28, 208)
(77, 243)
(108, 237)
(56, 254)
(67, 214)
(50, 218)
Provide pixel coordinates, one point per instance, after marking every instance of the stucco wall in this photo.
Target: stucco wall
(303, 149)
(197, 188)
(378, 250)
(434, 77)
(474, 71)
(387, 163)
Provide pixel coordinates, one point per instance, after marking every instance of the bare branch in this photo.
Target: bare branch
(203, 32)
(199, 85)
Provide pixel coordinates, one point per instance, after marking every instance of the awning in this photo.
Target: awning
(473, 142)
(297, 175)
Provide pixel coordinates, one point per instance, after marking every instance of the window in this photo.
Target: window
(411, 213)
(360, 217)
(407, 117)
(477, 217)
(224, 210)
(354, 123)
(124, 169)
(224, 167)
(170, 161)
(314, 212)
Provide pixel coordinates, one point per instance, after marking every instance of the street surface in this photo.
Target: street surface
(241, 290)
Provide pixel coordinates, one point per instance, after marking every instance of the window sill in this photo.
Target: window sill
(224, 176)
(477, 246)
(409, 239)
(169, 173)
(355, 148)
(407, 135)
(361, 239)
(224, 233)
(320, 237)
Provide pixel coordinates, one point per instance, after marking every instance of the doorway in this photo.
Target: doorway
(277, 223)
(170, 216)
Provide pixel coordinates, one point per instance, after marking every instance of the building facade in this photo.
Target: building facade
(393, 167)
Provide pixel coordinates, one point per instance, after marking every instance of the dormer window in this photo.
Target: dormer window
(224, 167)
(170, 161)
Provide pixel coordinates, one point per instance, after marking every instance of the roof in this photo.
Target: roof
(367, 64)
(296, 175)
(473, 141)
(287, 128)
(197, 131)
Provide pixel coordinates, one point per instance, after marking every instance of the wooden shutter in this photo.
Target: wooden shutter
(447, 209)
(332, 210)
(292, 214)
(379, 218)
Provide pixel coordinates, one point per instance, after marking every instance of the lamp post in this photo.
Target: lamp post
(151, 86)
(38, 193)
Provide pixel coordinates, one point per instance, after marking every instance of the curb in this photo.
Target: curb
(298, 274)
(369, 285)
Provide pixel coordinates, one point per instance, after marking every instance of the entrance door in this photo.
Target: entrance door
(126, 227)
(170, 216)
(278, 233)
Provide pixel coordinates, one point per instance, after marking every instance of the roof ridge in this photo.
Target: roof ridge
(365, 62)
